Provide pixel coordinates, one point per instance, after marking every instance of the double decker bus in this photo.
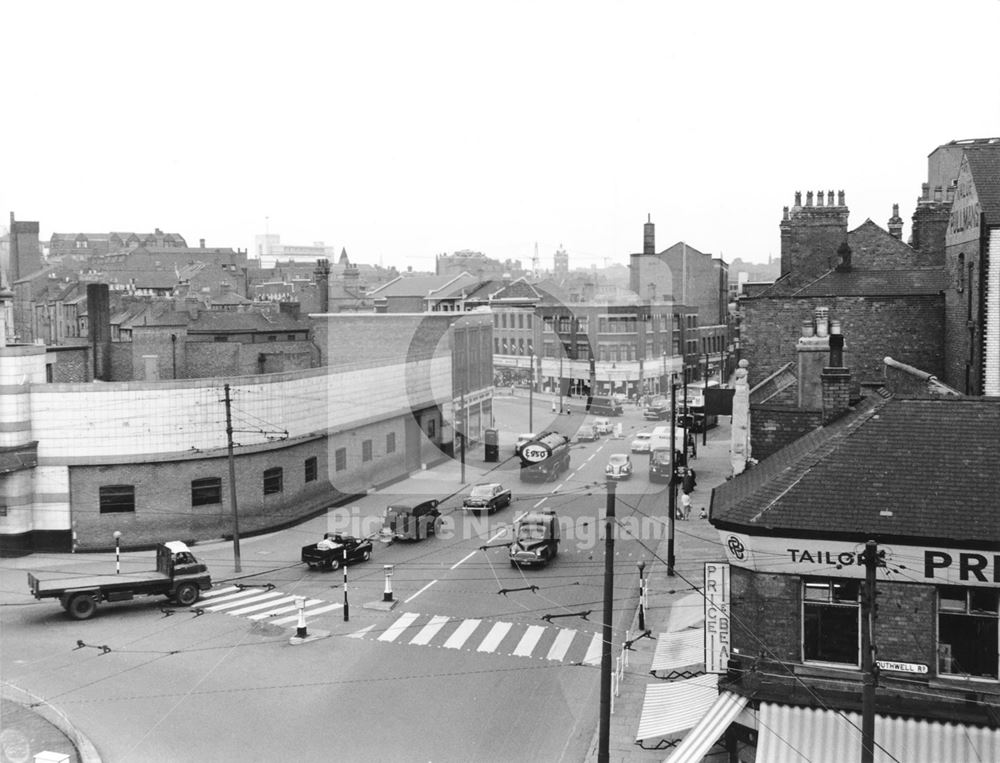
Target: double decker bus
(545, 457)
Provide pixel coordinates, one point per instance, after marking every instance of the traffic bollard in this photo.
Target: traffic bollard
(300, 631)
(387, 596)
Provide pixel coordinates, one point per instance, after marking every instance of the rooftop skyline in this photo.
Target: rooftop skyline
(401, 132)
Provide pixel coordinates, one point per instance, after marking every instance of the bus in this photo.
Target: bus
(545, 457)
(697, 420)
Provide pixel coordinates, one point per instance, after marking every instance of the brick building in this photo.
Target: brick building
(149, 459)
(92, 244)
(918, 477)
(887, 295)
(972, 256)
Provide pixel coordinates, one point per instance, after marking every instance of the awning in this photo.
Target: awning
(790, 734)
(674, 651)
(713, 725)
(670, 708)
(687, 612)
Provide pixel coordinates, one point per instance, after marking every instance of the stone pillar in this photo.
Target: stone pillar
(739, 448)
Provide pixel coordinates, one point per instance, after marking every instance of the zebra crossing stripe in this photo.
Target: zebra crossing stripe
(238, 600)
(494, 637)
(393, 631)
(309, 613)
(594, 650)
(265, 605)
(218, 592)
(361, 633)
(528, 641)
(461, 634)
(429, 631)
(561, 645)
(283, 610)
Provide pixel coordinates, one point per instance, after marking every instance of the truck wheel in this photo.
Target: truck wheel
(333, 564)
(366, 555)
(186, 594)
(82, 606)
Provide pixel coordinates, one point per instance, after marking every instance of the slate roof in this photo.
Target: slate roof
(413, 286)
(934, 463)
(984, 163)
(862, 283)
(217, 321)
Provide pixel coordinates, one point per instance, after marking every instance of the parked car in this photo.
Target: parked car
(523, 438)
(586, 433)
(641, 442)
(329, 552)
(602, 426)
(619, 466)
(490, 496)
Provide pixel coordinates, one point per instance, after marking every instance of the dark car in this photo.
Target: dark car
(329, 552)
(411, 521)
(490, 496)
(605, 406)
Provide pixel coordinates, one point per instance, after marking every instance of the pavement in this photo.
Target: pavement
(29, 726)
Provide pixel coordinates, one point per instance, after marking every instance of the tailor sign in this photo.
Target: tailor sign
(933, 565)
(717, 645)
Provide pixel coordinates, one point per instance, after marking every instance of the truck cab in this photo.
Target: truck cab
(411, 520)
(536, 539)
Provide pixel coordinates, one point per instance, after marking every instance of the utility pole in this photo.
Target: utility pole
(347, 611)
(868, 655)
(672, 486)
(461, 423)
(531, 394)
(609, 597)
(232, 482)
(704, 406)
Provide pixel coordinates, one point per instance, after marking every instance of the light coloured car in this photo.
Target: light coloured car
(619, 466)
(641, 443)
(489, 497)
(586, 433)
(602, 426)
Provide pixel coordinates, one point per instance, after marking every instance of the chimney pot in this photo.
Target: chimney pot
(840, 199)
(809, 198)
(798, 198)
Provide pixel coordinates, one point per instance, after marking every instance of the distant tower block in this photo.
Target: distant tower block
(561, 262)
(649, 236)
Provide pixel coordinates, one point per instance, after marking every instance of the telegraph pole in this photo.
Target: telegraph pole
(868, 655)
(461, 422)
(609, 598)
(232, 482)
(672, 486)
(531, 394)
(704, 405)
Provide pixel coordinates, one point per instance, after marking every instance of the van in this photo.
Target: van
(605, 406)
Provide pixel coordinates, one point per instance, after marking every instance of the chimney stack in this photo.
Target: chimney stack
(836, 379)
(201, 243)
(649, 236)
(896, 223)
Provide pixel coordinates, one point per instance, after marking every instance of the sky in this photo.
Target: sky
(405, 130)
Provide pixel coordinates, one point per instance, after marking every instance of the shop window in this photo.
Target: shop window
(340, 459)
(273, 480)
(312, 470)
(366, 451)
(831, 616)
(206, 491)
(116, 499)
(968, 631)
(390, 442)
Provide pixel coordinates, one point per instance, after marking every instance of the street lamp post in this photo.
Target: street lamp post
(531, 393)
(118, 567)
(642, 596)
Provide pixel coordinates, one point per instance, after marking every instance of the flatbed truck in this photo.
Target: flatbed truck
(178, 576)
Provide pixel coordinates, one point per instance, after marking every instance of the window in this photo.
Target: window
(206, 491)
(390, 442)
(547, 323)
(218, 338)
(831, 617)
(273, 480)
(967, 631)
(581, 325)
(529, 320)
(312, 470)
(520, 346)
(583, 350)
(496, 320)
(117, 498)
(340, 459)
(503, 320)
(520, 320)
(564, 324)
(290, 337)
(366, 451)
(496, 346)
(272, 338)
(432, 429)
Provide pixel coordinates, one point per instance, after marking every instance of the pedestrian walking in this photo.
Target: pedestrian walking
(689, 482)
(685, 506)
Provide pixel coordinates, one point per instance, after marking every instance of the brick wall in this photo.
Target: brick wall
(772, 427)
(836, 393)
(961, 307)
(766, 614)
(907, 328)
(70, 364)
